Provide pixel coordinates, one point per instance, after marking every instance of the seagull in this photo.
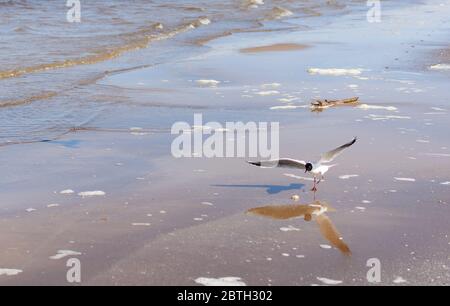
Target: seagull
(318, 168)
(316, 210)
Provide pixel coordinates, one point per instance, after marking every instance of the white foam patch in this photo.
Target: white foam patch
(64, 253)
(67, 191)
(440, 67)
(434, 113)
(30, 209)
(438, 109)
(10, 272)
(360, 208)
(52, 205)
(209, 83)
(328, 281)
(207, 203)
(271, 85)
(287, 100)
(138, 133)
(204, 21)
(268, 93)
(140, 224)
(348, 176)
(288, 107)
(87, 194)
(223, 281)
(254, 3)
(438, 154)
(367, 106)
(289, 228)
(399, 280)
(300, 256)
(335, 71)
(325, 246)
(405, 179)
(379, 117)
(445, 183)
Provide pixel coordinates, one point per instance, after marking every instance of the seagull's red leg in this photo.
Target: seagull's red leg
(314, 187)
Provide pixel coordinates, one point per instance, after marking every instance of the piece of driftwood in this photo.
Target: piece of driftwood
(318, 104)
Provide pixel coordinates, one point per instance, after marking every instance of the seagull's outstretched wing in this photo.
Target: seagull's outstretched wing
(331, 155)
(280, 163)
(331, 234)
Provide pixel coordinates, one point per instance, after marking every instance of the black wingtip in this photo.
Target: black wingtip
(254, 163)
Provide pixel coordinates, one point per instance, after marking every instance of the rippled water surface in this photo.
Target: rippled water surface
(49, 66)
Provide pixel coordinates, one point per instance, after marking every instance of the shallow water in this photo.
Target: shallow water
(49, 66)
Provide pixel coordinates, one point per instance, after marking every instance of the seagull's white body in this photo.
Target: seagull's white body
(319, 169)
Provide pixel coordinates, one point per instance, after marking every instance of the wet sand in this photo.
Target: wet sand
(156, 220)
(274, 48)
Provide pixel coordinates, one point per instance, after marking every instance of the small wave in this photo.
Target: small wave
(51, 94)
(7, 3)
(279, 12)
(142, 41)
(179, 6)
(28, 100)
(22, 29)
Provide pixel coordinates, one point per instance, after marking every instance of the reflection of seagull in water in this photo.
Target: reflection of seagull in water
(315, 168)
(317, 209)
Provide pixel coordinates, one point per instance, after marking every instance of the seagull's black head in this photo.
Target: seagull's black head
(308, 167)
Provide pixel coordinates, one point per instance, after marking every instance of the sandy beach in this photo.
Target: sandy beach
(88, 171)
